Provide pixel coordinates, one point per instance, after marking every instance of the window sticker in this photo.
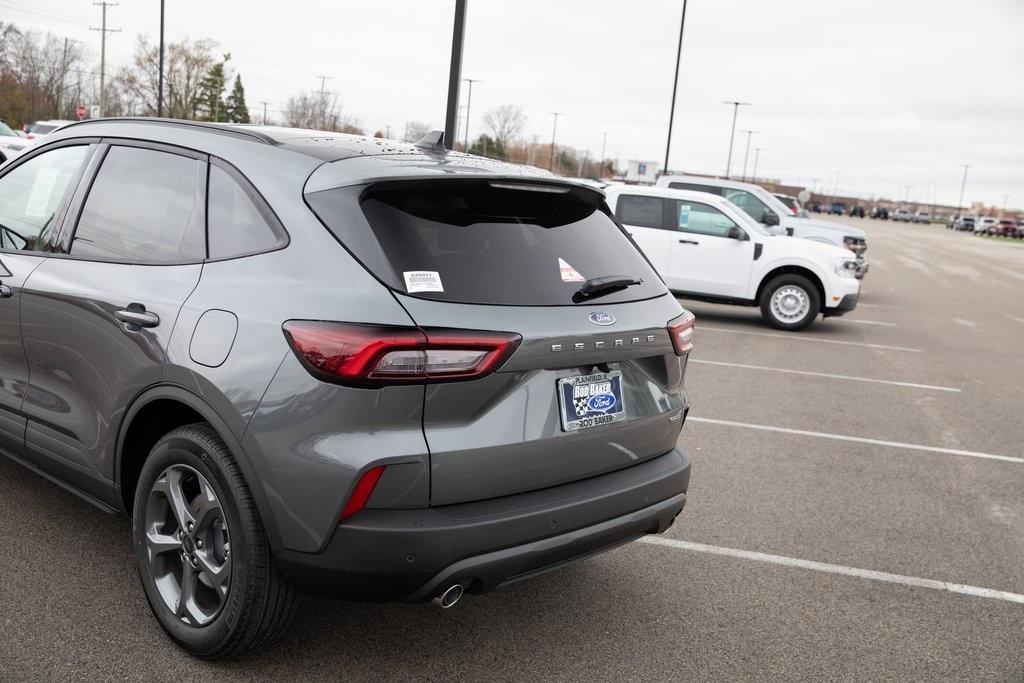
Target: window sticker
(422, 281)
(39, 197)
(684, 216)
(569, 274)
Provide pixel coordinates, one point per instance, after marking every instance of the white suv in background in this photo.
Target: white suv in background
(707, 249)
(775, 216)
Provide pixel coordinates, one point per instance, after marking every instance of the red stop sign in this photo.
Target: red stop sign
(81, 111)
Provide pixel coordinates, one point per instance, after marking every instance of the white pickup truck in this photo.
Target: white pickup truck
(706, 248)
(775, 216)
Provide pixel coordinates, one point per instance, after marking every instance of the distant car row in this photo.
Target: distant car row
(988, 225)
(14, 142)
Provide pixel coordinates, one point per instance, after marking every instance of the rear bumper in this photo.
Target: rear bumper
(413, 555)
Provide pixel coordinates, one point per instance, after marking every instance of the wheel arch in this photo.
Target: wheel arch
(792, 269)
(155, 412)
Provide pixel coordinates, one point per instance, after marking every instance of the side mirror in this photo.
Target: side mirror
(770, 218)
(736, 234)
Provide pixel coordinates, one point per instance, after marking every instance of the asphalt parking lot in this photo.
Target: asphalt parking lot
(836, 527)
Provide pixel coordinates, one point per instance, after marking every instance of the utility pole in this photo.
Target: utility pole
(963, 184)
(160, 77)
(323, 99)
(264, 112)
(1006, 198)
(469, 100)
(455, 73)
(757, 152)
(103, 47)
(604, 141)
(554, 129)
(675, 85)
(747, 154)
(735, 110)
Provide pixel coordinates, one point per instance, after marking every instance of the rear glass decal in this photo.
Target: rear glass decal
(422, 281)
(569, 274)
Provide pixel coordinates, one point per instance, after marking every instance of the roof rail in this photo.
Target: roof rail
(214, 127)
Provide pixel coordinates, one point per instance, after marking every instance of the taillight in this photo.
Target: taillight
(361, 493)
(681, 331)
(376, 355)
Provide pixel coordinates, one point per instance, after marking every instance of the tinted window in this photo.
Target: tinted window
(487, 242)
(31, 195)
(40, 128)
(5, 130)
(696, 188)
(144, 206)
(643, 212)
(702, 219)
(236, 223)
(751, 205)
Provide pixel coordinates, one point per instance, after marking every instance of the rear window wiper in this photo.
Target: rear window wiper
(604, 284)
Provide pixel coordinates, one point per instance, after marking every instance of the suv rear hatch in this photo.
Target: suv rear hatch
(595, 384)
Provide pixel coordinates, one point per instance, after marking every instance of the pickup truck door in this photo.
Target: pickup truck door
(644, 219)
(705, 260)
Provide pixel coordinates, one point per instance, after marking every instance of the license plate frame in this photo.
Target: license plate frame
(595, 397)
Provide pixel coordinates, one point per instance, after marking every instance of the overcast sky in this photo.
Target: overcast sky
(878, 93)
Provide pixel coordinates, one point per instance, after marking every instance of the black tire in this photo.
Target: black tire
(796, 281)
(259, 602)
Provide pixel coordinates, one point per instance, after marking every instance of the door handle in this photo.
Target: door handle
(6, 292)
(689, 242)
(135, 317)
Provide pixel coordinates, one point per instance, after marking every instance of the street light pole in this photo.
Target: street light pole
(747, 154)
(264, 112)
(604, 141)
(469, 99)
(757, 153)
(455, 73)
(735, 110)
(963, 184)
(554, 129)
(675, 85)
(160, 78)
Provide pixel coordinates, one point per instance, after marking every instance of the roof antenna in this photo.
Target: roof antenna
(434, 141)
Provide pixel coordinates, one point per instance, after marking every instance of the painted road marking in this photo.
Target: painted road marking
(965, 323)
(1013, 317)
(861, 439)
(870, 322)
(872, 574)
(894, 383)
(803, 337)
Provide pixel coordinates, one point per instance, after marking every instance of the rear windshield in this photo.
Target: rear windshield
(488, 242)
(40, 128)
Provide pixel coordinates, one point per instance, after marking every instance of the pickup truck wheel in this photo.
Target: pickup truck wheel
(203, 557)
(790, 302)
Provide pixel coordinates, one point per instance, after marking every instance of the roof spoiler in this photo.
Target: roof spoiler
(433, 141)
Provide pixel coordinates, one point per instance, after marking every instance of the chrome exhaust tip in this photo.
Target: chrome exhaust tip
(451, 596)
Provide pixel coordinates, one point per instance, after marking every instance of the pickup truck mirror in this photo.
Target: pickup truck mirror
(736, 234)
(770, 218)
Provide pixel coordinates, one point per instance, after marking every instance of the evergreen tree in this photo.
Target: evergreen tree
(211, 90)
(237, 112)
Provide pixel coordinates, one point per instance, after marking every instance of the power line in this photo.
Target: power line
(103, 46)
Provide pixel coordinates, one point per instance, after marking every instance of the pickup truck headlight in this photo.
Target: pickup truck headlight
(857, 246)
(846, 267)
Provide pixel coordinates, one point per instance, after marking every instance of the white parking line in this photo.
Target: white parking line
(1013, 317)
(965, 323)
(870, 322)
(894, 383)
(803, 337)
(871, 574)
(860, 439)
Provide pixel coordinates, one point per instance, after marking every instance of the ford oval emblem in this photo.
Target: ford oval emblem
(602, 318)
(601, 403)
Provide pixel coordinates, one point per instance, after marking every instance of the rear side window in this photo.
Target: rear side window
(31, 196)
(488, 242)
(238, 220)
(643, 212)
(145, 206)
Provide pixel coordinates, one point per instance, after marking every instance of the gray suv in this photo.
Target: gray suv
(307, 361)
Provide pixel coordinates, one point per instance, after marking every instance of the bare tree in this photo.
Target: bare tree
(34, 71)
(505, 123)
(414, 130)
(186, 63)
(319, 112)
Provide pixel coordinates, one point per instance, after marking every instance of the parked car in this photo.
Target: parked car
(1004, 227)
(902, 215)
(985, 225)
(707, 248)
(880, 213)
(307, 360)
(41, 129)
(11, 144)
(922, 217)
(857, 211)
(837, 208)
(774, 216)
(964, 223)
(815, 207)
(793, 204)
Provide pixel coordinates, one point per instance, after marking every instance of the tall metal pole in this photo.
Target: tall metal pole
(963, 184)
(604, 141)
(455, 73)
(103, 48)
(554, 129)
(264, 112)
(469, 100)
(747, 155)
(735, 111)
(675, 85)
(757, 153)
(160, 78)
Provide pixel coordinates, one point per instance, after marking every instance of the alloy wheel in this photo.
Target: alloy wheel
(188, 545)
